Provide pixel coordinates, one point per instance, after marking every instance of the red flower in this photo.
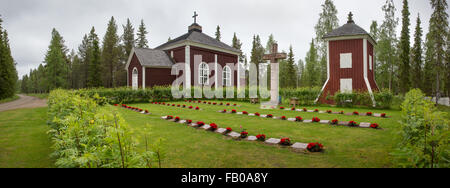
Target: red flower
(334, 121)
(213, 126)
(200, 123)
(292, 108)
(164, 103)
(244, 134)
(146, 111)
(352, 124)
(197, 108)
(298, 118)
(229, 129)
(209, 102)
(314, 147)
(383, 115)
(173, 104)
(269, 115)
(115, 104)
(244, 112)
(178, 105)
(261, 137)
(369, 113)
(188, 121)
(190, 107)
(199, 101)
(329, 111)
(224, 110)
(285, 141)
(283, 117)
(316, 110)
(234, 104)
(341, 112)
(177, 118)
(304, 109)
(355, 113)
(315, 119)
(233, 111)
(281, 108)
(221, 103)
(374, 125)
(214, 103)
(257, 114)
(169, 117)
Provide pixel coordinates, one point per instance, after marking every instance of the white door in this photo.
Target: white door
(134, 80)
(346, 85)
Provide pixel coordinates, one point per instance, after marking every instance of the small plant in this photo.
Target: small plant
(197, 108)
(228, 130)
(190, 107)
(200, 123)
(374, 126)
(213, 126)
(329, 111)
(355, 113)
(285, 142)
(282, 108)
(184, 106)
(304, 109)
(352, 124)
(293, 109)
(244, 112)
(383, 115)
(341, 112)
(261, 137)
(169, 117)
(283, 117)
(234, 104)
(177, 119)
(228, 104)
(233, 111)
(298, 118)
(269, 115)
(224, 111)
(314, 147)
(315, 119)
(257, 114)
(188, 121)
(146, 111)
(368, 113)
(214, 103)
(316, 110)
(334, 122)
(244, 134)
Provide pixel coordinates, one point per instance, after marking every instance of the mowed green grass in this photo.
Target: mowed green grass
(190, 147)
(23, 139)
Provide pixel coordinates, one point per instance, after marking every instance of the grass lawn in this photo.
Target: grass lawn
(15, 97)
(189, 147)
(23, 139)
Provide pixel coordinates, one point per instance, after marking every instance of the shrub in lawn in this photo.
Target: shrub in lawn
(197, 108)
(329, 111)
(315, 119)
(316, 110)
(228, 130)
(285, 142)
(292, 108)
(224, 110)
(369, 114)
(355, 113)
(283, 117)
(244, 134)
(314, 147)
(257, 114)
(374, 125)
(177, 119)
(200, 123)
(233, 111)
(169, 117)
(245, 112)
(352, 124)
(383, 115)
(188, 121)
(298, 118)
(334, 122)
(269, 115)
(213, 126)
(304, 109)
(261, 137)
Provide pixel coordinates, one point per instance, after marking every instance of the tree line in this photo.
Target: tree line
(399, 66)
(95, 64)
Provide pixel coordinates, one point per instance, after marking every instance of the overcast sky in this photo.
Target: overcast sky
(29, 22)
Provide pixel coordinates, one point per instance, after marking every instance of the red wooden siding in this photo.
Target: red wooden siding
(134, 63)
(158, 77)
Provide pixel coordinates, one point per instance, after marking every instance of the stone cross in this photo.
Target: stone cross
(274, 56)
(195, 17)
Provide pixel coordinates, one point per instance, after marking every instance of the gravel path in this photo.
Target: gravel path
(23, 102)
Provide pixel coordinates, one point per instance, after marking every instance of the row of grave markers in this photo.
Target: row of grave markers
(383, 115)
(228, 132)
(212, 103)
(177, 105)
(136, 109)
(314, 120)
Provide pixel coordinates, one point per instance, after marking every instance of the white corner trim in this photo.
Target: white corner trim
(143, 77)
(187, 67)
(216, 74)
(328, 72)
(238, 74)
(369, 88)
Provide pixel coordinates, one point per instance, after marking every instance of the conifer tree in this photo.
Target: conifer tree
(218, 33)
(257, 53)
(8, 72)
(417, 62)
(404, 49)
(291, 73)
(94, 79)
(374, 30)
(128, 37)
(56, 64)
(311, 67)
(110, 54)
(142, 36)
(429, 67)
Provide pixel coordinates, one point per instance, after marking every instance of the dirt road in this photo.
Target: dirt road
(23, 102)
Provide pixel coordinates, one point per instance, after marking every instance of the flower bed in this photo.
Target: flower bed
(352, 124)
(314, 147)
(334, 122)
(298, 119)
(213, 126)
(285, 142)
(315, 119)
(261, 137)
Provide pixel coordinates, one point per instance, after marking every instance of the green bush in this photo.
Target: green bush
(383, 99)
(87, 136)
(424, 135)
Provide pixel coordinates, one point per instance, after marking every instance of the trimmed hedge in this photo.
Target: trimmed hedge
(383, 99)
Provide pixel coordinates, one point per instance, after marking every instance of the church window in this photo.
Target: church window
(204, 74)
(226, 75)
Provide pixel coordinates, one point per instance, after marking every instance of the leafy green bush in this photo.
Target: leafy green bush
(383, 99)
(87, 136)
(425, 134)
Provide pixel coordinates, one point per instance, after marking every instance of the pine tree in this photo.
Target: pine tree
(8, 72)
(429, 67)
(327, 22)
(56, 64)
(291, 73)
(300, 73)
(416, 73)
(110, 54)
(24, 85)
(95, 69)
(128, 37)
(257, 54)
(85, 58)
(142, 38)
(269, 43)
(404, 67)
(439, 31)
(311, 67)
(237, 44)
(218, 33)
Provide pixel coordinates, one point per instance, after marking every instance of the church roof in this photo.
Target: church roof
(198, 37)
(153, 58)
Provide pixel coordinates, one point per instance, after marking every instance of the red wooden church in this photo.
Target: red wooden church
(350, 62)
(152, 67)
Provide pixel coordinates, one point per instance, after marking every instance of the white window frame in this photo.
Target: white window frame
(203, 74)
(226, 76)
(345, 60)
(345, 83)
